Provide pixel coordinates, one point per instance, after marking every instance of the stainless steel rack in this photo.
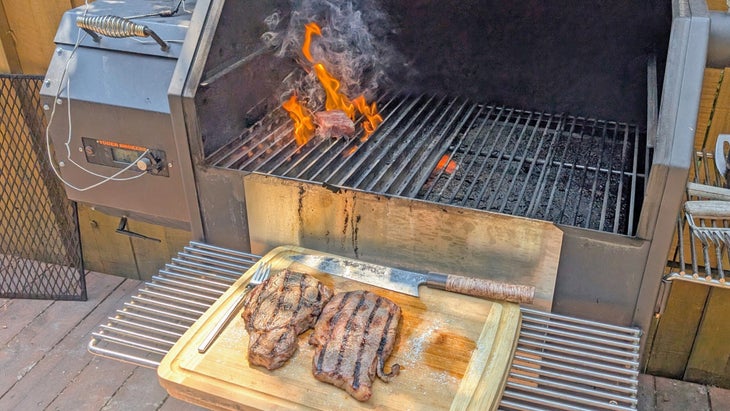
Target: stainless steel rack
(560, 362)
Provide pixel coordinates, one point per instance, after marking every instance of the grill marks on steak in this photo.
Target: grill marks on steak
(277, 311)
(353, 336)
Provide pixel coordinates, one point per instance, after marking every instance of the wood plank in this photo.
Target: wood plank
(720, 121)
(710, 88)
(16, 314)
(675, 395)
(92, 390)
(66, 359)
(646, 397)
(9, 61)
(719, 398)
(48, 328)
(717, 5)
(710, 359)
(174, 404)
(676, 330)
(34, 24)
(140, 390)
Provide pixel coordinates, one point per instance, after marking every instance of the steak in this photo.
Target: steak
(334, 124)
(277, 311)
(353, 337)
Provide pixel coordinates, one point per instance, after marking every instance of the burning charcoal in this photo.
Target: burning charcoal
(334, 123)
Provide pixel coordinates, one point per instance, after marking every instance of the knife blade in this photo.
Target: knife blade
(407, 282)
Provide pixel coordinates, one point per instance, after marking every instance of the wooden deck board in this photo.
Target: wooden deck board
(48, 328)
(68, 357)
(16, 314)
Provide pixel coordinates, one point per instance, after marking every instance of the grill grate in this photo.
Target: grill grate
(40, 247)
(570, 170)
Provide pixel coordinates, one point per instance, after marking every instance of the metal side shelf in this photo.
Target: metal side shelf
(562, 363)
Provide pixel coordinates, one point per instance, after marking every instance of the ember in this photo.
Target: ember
(446, 164)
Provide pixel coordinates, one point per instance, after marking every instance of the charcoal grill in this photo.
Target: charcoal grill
(580, 115)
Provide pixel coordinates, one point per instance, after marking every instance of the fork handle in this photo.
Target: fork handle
(227, 317)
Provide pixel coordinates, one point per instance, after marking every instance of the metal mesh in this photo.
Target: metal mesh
(40, 247)
(570, 170)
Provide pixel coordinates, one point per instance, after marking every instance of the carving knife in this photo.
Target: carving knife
(407, 282)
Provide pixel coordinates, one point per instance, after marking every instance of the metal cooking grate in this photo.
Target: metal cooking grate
(145, 329)
(569, 170)
(561, 362)
(40, 247)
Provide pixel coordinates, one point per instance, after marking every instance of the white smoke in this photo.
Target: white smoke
(352, 47)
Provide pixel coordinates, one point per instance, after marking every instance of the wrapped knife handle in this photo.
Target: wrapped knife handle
(479, 287)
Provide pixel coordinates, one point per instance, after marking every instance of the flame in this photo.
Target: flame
(303, 125)
(445, 164)
(372, 118)
(309, 30)
(335, 100)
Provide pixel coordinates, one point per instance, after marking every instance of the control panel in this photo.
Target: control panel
(122, 155)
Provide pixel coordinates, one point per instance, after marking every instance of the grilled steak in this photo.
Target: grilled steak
(354, 336)
(277, 311)
(333, 123)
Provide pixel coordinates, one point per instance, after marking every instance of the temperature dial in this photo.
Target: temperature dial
(144, 164)
(149, 164)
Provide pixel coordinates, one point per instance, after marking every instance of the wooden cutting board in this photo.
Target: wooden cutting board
(454, 351)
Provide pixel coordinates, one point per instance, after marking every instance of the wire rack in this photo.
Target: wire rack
(561, 362)
(40, 246)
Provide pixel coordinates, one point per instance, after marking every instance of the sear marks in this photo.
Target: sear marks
(353, 337)
(277, 311)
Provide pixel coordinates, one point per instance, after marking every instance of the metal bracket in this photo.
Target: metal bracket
(122, 229)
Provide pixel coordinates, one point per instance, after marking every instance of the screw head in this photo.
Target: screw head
(61, 164)
(46, 107)
(47, 83)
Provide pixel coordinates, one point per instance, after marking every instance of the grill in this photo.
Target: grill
(580, 119)
(570, 170)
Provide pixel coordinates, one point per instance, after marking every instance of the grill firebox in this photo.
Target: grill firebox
(570, 170)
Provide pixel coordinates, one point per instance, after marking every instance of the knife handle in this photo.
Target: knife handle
(480, 287)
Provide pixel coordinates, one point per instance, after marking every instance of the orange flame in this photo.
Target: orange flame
(449, 166)
(309, 30)
(372, 118)
(303, 126)
(335, 100)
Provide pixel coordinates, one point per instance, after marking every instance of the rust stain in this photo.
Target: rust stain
(355, 228)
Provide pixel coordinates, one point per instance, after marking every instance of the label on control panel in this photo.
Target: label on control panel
(121, 155)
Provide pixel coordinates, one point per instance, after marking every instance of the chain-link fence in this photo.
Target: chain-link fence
(40, 248)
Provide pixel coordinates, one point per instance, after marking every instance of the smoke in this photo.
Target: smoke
(353, 47)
